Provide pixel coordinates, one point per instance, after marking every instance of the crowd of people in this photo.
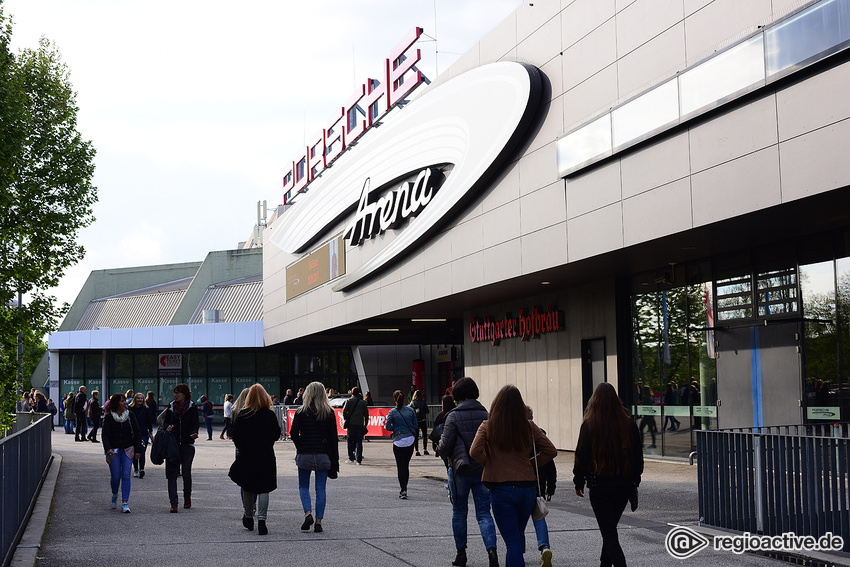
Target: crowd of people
(500, 457)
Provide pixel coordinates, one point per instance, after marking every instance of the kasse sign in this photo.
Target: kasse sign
(464, 128)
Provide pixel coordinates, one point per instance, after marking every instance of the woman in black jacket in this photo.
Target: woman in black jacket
(122, 443)
(609, 459)
(316, 440)
(139, 409)
(255, 430)
(181, 419)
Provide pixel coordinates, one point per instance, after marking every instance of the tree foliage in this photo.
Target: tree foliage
(46, 195)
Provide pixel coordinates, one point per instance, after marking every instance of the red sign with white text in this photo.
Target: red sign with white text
(377, 418)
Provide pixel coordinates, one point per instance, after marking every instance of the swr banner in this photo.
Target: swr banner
(377, 418)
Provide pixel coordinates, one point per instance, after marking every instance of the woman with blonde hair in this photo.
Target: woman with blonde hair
(610, 460)
(314, 433)
(502, 446)
(255, 430)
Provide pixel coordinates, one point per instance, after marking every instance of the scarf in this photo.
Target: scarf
(120, 418)
(179, 409)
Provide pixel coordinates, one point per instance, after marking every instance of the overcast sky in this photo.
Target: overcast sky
(195, 106)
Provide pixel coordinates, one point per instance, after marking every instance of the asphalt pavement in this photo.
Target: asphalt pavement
(365, 523)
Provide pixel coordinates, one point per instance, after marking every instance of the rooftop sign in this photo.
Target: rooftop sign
(370, 102)
(411, 176)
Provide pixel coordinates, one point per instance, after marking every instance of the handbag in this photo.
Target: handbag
(541, 508)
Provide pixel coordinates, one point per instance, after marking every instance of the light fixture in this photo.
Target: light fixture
(382, 330)
(544, 283)
(428, 320)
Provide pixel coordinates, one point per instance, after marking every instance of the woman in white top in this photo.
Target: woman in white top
(228, 415)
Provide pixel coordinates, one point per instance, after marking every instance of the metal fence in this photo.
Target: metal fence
(24, 459)
(773, 480)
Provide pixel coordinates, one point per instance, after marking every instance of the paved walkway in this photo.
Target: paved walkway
(365, 523)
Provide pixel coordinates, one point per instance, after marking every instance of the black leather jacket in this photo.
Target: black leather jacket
(459, 430)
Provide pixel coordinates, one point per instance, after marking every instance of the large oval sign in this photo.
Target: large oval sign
(472, 122)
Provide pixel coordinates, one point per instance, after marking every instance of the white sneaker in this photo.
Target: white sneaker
(135, 474)
(114, 503)
(403, 495)
(125, 508)
(546, 558)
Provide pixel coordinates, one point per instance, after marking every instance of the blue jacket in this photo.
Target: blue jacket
(401, 422)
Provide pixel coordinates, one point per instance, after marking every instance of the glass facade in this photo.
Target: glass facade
(214, 373)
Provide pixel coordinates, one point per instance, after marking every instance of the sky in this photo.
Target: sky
(196, 106)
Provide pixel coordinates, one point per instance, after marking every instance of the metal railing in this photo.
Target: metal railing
(773, 480)
(24, 459)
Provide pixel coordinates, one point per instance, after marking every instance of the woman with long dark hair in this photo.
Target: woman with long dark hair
(255, 430)
(181, 418)
(122, 443)
(401, 420)
(314, 434)
(609, 460)
(502, 446)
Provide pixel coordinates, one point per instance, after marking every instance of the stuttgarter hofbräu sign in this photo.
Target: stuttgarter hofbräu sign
(527, 325)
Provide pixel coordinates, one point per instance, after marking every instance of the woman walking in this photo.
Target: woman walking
(228, 416)
(207, 409)
(609, 460)
(255, 431)
(401, 420)
(140, 410)
(355, 412)
(459, 429)
(181, 419)
(502, 446)
(421, 409)
(122, 443)
(314, 434)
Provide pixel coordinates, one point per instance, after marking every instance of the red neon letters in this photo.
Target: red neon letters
(528, 325)
(371, 101)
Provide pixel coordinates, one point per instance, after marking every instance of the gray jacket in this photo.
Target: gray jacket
(459, 430)
(356, 412)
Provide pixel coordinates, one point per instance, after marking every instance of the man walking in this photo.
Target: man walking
(80, 412)
(94, 412)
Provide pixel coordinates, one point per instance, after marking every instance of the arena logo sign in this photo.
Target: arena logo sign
(455, 137)
(527, 325)
(392, 208)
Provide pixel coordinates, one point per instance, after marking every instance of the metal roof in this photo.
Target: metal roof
(124, 312)
(236, 302)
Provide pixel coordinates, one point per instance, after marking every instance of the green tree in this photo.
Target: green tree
(46, 196)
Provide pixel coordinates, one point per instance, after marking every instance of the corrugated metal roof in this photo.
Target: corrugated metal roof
(145, 310)
(236, 303)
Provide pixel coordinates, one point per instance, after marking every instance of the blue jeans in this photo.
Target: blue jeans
(542, 531)
(512, 507)
(119, 470)
(208, 422)
(304, 490)
(460, 486)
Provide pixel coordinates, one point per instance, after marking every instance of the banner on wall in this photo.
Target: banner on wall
(375, 428)
(418, 377)
(170, 364)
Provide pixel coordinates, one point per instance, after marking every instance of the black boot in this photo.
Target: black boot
(494, 559)
(248, 523)
(460, 560)
(261, 527)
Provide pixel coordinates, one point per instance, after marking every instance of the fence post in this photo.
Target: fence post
(758, 465)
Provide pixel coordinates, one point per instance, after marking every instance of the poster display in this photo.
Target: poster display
(239, 384)
(271, 384)
(216, 390)
(118, 386)
(145, 385)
